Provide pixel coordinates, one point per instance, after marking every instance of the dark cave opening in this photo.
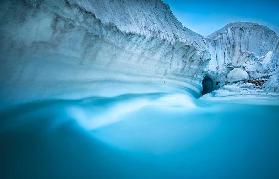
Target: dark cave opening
(207, 85)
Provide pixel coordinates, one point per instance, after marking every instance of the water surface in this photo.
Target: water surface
(156, 135)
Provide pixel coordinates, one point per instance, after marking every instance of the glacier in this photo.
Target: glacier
(121, 89)
(142, 42)
(247, 53)
(70, 42)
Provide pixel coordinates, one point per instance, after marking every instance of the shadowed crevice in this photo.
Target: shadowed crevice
(207, 85)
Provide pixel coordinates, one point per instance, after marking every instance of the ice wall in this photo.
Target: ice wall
(247, 47)
(51, 45)
(237, 44)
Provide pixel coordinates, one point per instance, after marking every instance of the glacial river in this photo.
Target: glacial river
(156, 135)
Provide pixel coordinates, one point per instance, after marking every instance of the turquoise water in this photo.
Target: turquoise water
(156, 135)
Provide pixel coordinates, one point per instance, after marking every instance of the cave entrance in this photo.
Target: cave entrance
(207, 85)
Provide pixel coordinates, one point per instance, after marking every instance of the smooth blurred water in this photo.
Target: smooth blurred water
(157, 135)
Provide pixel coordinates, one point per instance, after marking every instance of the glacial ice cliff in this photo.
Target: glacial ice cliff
(79, 48)
(52, 48)
(247, 54)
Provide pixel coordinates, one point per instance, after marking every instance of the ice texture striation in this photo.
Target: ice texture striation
(61, 44)
(237, 44)
(250, 49)
(79, 48)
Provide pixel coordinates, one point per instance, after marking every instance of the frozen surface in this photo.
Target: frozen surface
(237, 74)
(146, 17)
(239, 44)
(77, 43)
(50, 49)
(251, 47)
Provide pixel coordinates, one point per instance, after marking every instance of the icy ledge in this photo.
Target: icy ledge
(66, 49)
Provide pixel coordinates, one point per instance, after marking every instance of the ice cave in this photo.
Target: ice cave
(208, 85)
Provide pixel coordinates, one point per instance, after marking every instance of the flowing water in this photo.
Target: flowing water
(155, 135)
